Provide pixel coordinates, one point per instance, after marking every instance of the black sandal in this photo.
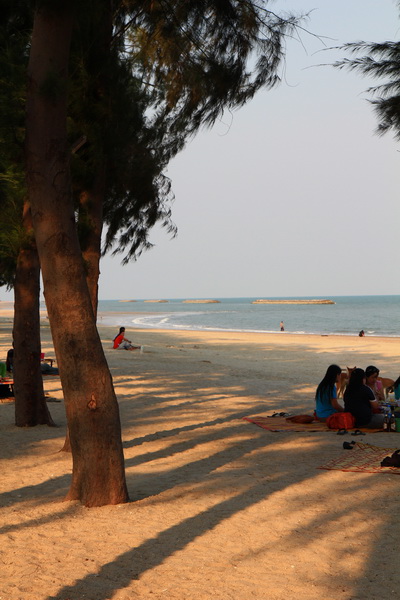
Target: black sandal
(348, 445)
(358, 432)
(342, 432)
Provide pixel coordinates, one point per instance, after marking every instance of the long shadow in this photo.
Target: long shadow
(152, 552)
(46, 489)
(194, 470)
(151, 437)
(69, 511)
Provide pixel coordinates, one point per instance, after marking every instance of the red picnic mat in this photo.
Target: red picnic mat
(6, 391)
(280, 424)
(363, 458)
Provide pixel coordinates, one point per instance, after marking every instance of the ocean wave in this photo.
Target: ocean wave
(378, 316)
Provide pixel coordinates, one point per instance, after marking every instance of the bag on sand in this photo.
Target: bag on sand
(392, 461)
(341, 420)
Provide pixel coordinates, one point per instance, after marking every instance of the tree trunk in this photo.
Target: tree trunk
(98, 476)
(91, 200)
(30, 404)
(91, 210)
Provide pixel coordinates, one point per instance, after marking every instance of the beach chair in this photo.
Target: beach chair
(50, 361)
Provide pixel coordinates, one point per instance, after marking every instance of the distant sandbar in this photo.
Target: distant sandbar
(293, 302)
(201, 301)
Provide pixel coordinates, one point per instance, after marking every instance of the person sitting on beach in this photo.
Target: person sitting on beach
(372, 381)
(360, 401)
(10, 360)
(2, 371)
(326, 402)
(45, 368)
(122, 343)
(396, 389)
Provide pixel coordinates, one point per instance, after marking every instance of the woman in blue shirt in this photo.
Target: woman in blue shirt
(326, 395)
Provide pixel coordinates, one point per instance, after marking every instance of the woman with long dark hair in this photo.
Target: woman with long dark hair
(122, 343)
(326, 402)
(372, 381)
(360, 401)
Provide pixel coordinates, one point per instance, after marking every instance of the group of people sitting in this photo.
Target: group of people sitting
(362, 397)
(8, 367)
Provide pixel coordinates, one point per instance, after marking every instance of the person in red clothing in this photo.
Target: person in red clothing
(121, 343)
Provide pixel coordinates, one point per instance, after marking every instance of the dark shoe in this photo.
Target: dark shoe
(342, 432)
(348, 445)
(280, 414)
(358, 432)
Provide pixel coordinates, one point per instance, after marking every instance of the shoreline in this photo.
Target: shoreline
(6, 316)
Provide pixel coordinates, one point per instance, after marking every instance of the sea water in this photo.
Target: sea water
(376, 315)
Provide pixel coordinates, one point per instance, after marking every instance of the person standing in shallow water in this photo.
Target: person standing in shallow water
(282, 326)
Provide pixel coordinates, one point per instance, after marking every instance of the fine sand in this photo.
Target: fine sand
(220, 509)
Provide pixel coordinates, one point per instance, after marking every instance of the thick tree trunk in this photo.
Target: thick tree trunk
(91, 210)
(30, 404)
(98, 476)
(92, 199)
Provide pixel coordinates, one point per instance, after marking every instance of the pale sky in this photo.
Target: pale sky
(292, 195)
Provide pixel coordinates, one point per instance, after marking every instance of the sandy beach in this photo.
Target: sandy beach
(220, 508)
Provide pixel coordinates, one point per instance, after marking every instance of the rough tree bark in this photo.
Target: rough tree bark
(30, 404)
(91, 200)
(91, 203)
(98, 475)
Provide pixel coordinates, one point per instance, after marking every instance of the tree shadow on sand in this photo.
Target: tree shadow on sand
(261, 462)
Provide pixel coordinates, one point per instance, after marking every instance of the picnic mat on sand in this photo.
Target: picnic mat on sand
(280, 424)
(364, 458)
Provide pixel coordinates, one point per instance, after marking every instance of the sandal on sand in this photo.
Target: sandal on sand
(342, 432)
(348, 445)
(280, 414)
(358, 432)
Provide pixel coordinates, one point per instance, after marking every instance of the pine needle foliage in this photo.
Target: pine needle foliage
(15, 27)
(380, 61)
(188, 62)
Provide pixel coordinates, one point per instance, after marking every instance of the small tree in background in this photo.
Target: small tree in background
(19, 262)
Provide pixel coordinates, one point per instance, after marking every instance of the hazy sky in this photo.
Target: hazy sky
(294, 194)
